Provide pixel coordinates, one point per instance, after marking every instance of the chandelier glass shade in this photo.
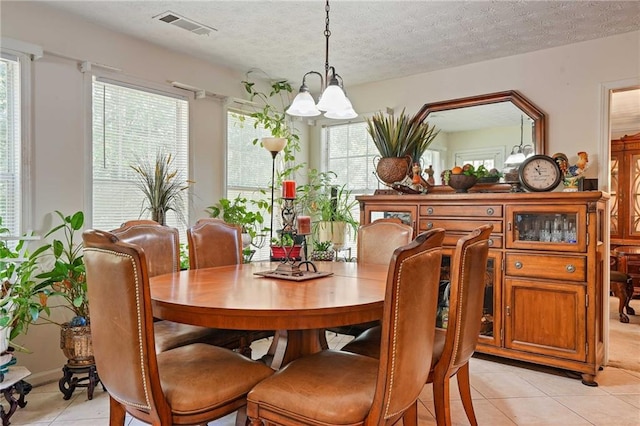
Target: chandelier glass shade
(333, 101)
(519, 152)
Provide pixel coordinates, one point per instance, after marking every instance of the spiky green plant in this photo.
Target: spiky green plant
(163, 188)
(400, 136)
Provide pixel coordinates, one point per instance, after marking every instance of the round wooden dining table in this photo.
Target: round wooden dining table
(234, 297)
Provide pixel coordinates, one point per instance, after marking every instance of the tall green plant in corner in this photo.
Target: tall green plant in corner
(269, 112)
(163, 187)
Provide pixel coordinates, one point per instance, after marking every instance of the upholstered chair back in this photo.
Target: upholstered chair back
(121, 323)
(467, 298)
(409, 310)
(213, 242)
(161, 244)
(377, 240)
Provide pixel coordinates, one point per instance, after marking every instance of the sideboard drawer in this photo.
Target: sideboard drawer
(427, 223)
(556, 267)
(451, 239)
(461, 210)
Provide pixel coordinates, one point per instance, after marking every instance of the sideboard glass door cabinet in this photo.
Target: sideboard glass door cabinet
(544, 296)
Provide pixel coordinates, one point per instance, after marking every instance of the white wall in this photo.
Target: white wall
(564, 82)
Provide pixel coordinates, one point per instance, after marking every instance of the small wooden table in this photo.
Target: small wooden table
(13, 384)
(233, 297)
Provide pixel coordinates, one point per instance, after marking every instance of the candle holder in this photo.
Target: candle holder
(288, 217)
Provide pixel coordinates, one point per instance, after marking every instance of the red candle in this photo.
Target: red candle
(288, 189)
(304, 225)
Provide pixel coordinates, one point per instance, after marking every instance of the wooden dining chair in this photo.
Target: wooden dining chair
(454, 346)
(212, 243)
(161, 245)
(377, 240)
(333, 387)
(191, 384)
(376, 243)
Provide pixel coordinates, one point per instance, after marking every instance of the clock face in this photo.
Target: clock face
(540, 173)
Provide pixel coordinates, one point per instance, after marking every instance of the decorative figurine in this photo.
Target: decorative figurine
(430, 172)
(572, 174)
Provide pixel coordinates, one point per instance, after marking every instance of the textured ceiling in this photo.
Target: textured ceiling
(371, 40)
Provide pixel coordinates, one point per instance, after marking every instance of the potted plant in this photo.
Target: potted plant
(22, 297)
(322, 251)
(65, 278)
(238, 212)
(284, 247)
(400, 141)
(330, 207)
(163, 188)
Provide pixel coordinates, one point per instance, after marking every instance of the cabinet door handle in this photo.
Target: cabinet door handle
(490, 211)
(571, 268)
(429, 210)
(429, 225)
(508, 309)
(518, 265)
(490, 242)
(509, 226)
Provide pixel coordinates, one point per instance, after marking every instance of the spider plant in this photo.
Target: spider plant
(163, 188)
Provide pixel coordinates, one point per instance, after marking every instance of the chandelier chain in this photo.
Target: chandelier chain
(327, 34)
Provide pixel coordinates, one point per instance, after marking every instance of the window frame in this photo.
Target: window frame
(112, 76)
(26, 182)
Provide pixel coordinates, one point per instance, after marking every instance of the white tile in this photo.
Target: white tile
(503, 385)
(40, 408)
(556, 385)
(605, 410)
(633, 399)
(486, 414)
(88, 410)
(454, 392)
(537, 411)
(616, 381)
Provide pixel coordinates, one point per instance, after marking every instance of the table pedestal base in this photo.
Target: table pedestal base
(68, 383)
(288, 345)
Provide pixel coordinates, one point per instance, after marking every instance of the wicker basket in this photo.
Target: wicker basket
(392, 169)
(75, 343)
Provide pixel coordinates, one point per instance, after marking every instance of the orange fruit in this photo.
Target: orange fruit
(456, 170)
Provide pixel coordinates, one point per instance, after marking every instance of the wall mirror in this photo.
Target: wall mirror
(483, 129)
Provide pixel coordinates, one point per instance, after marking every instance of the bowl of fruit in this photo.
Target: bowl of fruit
(460, 179)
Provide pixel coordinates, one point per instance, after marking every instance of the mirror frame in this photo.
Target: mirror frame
(539, 137)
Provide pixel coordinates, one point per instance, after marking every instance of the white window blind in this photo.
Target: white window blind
(130, 126)
(249, 170)
(350, 153)
(10, 144)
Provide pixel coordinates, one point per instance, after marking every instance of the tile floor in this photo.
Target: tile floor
(504, 393)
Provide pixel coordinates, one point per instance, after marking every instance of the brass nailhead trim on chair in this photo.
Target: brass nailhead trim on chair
(138, 309)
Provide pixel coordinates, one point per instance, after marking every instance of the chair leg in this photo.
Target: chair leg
(441, 398)
(116, 413)
(410, 417)
(619, 291)
(465, 393)
(629, 289)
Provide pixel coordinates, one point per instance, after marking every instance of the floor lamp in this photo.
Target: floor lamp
(274, 146)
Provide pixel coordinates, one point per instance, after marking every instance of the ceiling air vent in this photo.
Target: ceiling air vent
(184, 23)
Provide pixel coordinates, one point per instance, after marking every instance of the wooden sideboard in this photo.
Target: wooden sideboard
(544, 295)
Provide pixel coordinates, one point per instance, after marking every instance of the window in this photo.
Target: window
(130, 126)
(350, 154)
(249, 169)
(10, 144)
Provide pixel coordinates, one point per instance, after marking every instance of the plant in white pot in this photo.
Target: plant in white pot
(330, 207)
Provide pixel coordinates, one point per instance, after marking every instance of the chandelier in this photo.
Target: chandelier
(333, 101)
